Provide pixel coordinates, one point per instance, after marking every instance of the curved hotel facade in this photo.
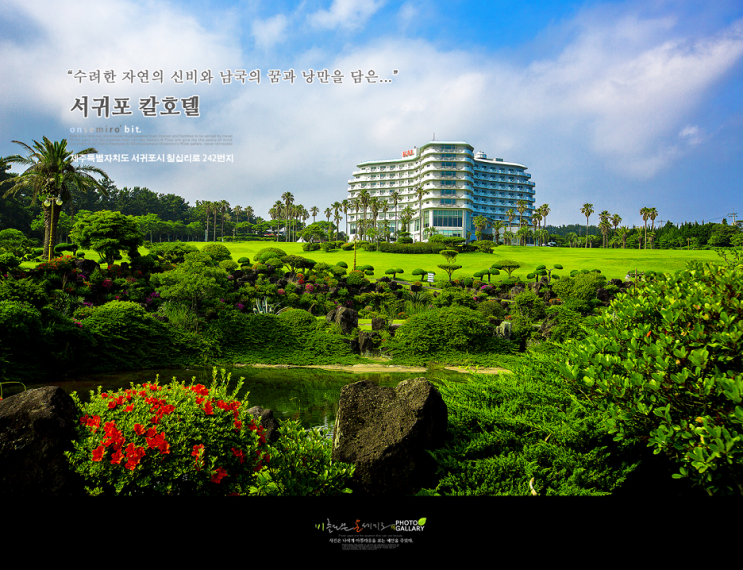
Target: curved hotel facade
(458, 185)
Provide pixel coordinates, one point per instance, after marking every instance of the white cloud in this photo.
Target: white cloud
(692, 135)
(347, 14)
(269, 32)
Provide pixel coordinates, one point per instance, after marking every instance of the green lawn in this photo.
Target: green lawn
(613, 263)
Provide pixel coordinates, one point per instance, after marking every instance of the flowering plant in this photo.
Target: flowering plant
(165, 440)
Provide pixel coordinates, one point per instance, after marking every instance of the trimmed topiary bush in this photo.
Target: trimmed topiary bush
(449, 331)
(217, 251)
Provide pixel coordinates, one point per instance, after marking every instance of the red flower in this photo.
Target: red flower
(219, 475)
(117, 457)
(138, 429)
(239, 454)
(208, 408)
(129, 408)
(98, 453)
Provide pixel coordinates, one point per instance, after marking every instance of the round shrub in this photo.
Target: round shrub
(453, 329)
(244, 261)
(228, 265)
(300, 322)
(24, 290)
(171, 251)
(355, 278)
(268, 252)
(126, 336)
(665, 366)
(217, 251)
(492, 309)
(342, 264)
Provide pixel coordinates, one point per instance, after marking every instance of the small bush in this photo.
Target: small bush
(171, 251)
(228, 265)
(217, 252)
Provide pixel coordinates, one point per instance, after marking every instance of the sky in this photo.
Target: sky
(623, 105)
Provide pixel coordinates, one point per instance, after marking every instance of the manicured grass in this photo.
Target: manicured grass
(613, 263)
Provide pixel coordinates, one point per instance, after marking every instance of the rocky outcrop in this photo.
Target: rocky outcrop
(36, 428)
(347, 319)
(385, 433)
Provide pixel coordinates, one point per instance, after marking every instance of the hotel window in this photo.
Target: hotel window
(445, 201)
(448, 191)
(447, 218)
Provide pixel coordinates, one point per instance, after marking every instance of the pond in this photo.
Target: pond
(308, 394)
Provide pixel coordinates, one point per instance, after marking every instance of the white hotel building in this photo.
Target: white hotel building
(459, 185)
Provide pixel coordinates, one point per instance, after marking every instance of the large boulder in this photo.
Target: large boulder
(369, 343)
(347, 319)
(504, 330)
(386, 431)
(36, 428)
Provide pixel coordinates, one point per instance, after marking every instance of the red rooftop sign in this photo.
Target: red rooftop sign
(407, 153)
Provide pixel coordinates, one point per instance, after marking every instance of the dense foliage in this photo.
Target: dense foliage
(666, 364)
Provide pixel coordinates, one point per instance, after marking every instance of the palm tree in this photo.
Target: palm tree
(206, 206)
(521, 207)
(288, 199)
(623, 232)
(652, 214)
(224, 205)
(395, 197)
(511, 215)
(364, 198)
(572, 238)
(314, 210)
(355, 204)
(480, 223)
(508, 237)
(545, 210)
(346, 206)
(328, 213)
(419, 192)
(645, 213)
(536, 218)
(337, 207)
(615, 221)
(237, 210)
(51, 175)
(337, 219)
(587, 210)
(604, 217)
(497, 227)
(248, 213)
(605, 227)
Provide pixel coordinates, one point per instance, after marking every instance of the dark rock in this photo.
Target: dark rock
(86, 266)
(381, 287)
(378, 324)
(347, 319)
(369, 343)
(384, 280)
(616, 282)
(516, 289)
(269, 423)
(393, 328)
(414, 288)
(386, 431)
(36, 428)
(603, 295)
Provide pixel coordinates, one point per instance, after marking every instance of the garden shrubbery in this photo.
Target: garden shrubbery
(665, 365)
(449, 334)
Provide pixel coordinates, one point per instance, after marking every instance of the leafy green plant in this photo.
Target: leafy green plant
(301, 465)
(217, 252)
(168, 440)
(665, 365)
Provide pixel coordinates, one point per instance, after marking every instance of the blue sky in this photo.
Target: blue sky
(620, 104)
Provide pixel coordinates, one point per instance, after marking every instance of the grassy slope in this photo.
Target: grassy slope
(613, 263)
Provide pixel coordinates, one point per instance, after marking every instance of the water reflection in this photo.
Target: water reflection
(307, 394)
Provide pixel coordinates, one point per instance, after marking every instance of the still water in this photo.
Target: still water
(307, 394)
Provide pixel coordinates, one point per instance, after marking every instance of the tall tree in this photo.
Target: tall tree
(237, 210)
(652, 214)
(419, 191)
(616, 219)
(346, 207)
(587, 210)
(521, 207)
(395, 197)
(314, 210)
(288, 199)
(50, 174)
